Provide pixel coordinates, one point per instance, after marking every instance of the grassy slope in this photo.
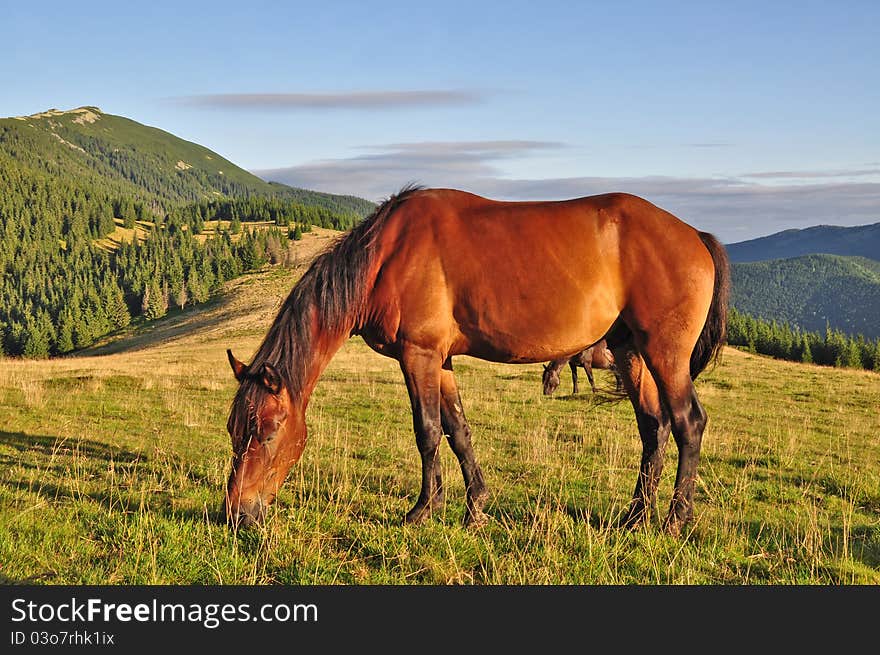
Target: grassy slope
(112, 467)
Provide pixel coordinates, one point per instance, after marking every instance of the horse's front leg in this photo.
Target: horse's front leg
(588, 367)
(421, 370)
(458, 431)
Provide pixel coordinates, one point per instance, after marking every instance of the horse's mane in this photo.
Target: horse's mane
(335, 285)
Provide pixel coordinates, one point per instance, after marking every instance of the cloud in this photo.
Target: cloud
(810, 175)
(734, 208)
(376, 174)
(728, 207)
(369, 100)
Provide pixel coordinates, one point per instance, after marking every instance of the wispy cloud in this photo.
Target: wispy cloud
(709, 145)
(735, 208)
(369, 100)
(809, 175)
(731, 208)
(437, 163)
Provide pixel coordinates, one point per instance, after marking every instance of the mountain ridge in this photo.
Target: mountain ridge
(126, 157)
(858, 241)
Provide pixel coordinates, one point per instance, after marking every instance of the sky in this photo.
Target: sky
(742, 118)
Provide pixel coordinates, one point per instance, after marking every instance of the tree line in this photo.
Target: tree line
(60, 291)
(782, 341)
(280, 211)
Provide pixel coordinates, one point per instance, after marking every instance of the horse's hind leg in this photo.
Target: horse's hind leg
(421, 370)
(459, 434)
(688, 422)
(654, 426)
(672, 373)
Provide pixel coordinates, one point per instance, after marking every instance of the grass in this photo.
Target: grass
(112, 468)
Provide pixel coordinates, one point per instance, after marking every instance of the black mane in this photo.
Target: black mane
(335, 285)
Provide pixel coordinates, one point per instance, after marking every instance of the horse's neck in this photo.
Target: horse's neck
(324, 347)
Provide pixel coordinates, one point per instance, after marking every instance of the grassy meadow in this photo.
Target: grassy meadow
(112, 466)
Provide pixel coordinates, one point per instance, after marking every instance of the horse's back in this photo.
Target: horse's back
(523, 281)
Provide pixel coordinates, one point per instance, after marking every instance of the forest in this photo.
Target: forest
(61, 291)
(811, 291)
(782, 341)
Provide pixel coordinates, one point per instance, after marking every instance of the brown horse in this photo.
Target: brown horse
(436, 273)
(596, 356)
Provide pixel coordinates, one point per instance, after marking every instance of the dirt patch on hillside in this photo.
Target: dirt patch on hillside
(246, 306)
(85, 116)
(67, 143)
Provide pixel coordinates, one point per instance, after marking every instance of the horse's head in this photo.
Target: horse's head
(268, 434)
(550, 377)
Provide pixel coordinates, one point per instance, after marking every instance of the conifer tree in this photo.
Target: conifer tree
(806, 352)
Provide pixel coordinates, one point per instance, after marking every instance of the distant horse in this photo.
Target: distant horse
(435, 273)
(596, 356)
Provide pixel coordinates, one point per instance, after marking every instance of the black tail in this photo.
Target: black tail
(714, 335)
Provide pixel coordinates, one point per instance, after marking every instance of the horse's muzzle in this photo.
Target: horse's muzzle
(246, 513)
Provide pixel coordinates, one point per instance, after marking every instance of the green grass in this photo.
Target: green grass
(112, 471)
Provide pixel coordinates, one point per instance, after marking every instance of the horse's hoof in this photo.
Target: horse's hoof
(674, 525)
(417, 515)
(475, 520)
(635, 520)
(639, 515)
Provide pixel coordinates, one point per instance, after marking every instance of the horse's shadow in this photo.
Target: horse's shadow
(54, 454)
(48, 445)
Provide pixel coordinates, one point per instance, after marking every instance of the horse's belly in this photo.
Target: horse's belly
(534, 332)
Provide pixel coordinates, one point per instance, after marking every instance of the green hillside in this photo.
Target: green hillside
(126, 158)
(70, 179)
(811, 292)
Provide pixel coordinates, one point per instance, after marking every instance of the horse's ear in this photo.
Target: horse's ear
(271, 378)
(240, 369)
(546, 366)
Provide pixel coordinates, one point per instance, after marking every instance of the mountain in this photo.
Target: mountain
(124, 158)
(812, 291)
(860, 241)
(69, 179)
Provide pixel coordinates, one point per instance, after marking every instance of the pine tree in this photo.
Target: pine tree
(38, 336)
(82, 334)
(64, 333)
(850, 357)
(154, 303)
(181, 296)
(806, 352)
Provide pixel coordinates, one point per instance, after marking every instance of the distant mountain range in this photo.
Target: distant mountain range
(818, 276)
(90, 148)
(860, 241)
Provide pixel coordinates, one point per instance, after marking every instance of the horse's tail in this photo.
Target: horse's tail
(714, 334)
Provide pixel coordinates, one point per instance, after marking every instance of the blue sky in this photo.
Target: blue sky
(742, 118)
